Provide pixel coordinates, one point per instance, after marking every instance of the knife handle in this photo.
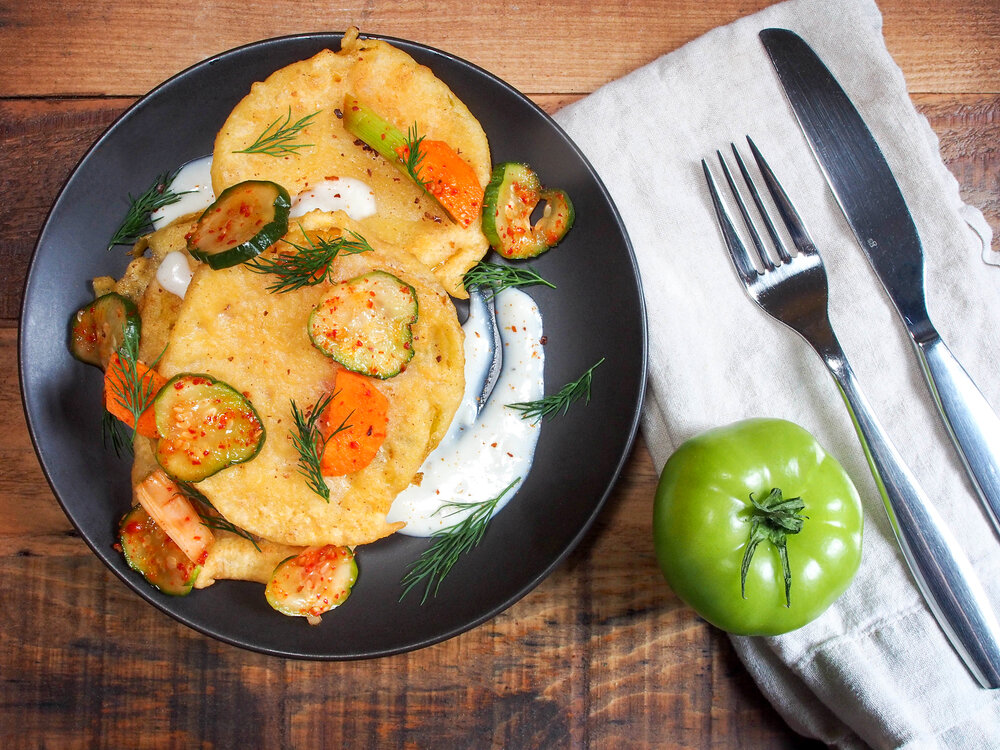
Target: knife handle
(941, 569)
(971, 422)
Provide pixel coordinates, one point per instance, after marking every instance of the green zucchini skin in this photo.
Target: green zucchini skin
(150, 551)
(245, 220)
(366, 324)
(511, 196)
(205, 426)
(101, 328)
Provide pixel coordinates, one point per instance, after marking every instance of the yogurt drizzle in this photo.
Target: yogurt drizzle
(480, 456)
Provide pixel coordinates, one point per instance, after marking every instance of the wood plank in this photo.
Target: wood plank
(934, 43)
(969, 133)
(41, 141)
(551, 672)
(945, 47)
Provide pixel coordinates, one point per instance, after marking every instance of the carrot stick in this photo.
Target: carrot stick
(117, 382)
(353, 425)
(450, 179)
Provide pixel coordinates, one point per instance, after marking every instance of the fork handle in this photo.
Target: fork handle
(973, 425)
(940, 568)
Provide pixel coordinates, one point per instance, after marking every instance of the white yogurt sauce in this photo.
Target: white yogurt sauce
(346, 194)
(480, 456)
(193, 182)
(174, 273)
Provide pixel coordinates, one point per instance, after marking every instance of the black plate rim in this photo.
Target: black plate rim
(146, 592)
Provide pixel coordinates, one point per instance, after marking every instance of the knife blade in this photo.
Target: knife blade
(870, 198)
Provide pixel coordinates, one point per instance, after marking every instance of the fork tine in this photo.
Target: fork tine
(779, 244)
(758, 244)
(796, 227)
(737, 251)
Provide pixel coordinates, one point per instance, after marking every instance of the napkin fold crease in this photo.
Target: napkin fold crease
(875, 669)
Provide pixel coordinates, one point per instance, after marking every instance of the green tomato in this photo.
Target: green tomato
(703, 525)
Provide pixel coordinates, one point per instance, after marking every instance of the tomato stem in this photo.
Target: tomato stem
(773, 519)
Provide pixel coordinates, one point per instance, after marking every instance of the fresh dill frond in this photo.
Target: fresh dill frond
(551, 406)
(499, 276)
(138, 219)
(215, 521)
(193, 493)
(414, 156)
(115, 432)
(451, 543)
(310, 443)
(133, 391)
(223, 524)
(311, 264)
(279, 139)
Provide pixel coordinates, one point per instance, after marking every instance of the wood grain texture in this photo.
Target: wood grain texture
(601, 654)
(573, 46)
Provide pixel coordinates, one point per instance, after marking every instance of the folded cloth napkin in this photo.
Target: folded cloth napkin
(875, 669)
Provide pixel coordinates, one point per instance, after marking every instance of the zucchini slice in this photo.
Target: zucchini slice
(312, 582)
(100, 329)
(150, 551)
(245, 220)
(511, 196)
(205, 425)
(366, 324)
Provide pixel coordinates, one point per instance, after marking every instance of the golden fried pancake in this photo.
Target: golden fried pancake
(235, 558)
(401, 91)
(232, 328)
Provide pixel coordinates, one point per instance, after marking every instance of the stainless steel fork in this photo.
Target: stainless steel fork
(793, 290)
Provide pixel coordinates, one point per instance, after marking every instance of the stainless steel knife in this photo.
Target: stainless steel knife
(870, 198)
(873, 204)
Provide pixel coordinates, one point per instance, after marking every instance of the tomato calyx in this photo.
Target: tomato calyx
(773, 519)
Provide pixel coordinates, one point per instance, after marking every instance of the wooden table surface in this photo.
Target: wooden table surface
(602, 653)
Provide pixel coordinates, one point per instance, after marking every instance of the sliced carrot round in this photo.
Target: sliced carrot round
(353, 425)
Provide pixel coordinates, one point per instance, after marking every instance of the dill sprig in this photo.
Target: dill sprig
(309, 442)
(215, 521)
(311, 264)
(498, 277)
(278, 140)
(114, 431)
(551, 406)
(138, 219)
(414, 156)
(223, 524)
(133, 391)
(450, 543)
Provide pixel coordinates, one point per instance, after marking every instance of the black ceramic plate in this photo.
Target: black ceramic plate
(596, 311)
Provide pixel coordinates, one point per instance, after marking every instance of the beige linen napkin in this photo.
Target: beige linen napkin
(874, 669)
